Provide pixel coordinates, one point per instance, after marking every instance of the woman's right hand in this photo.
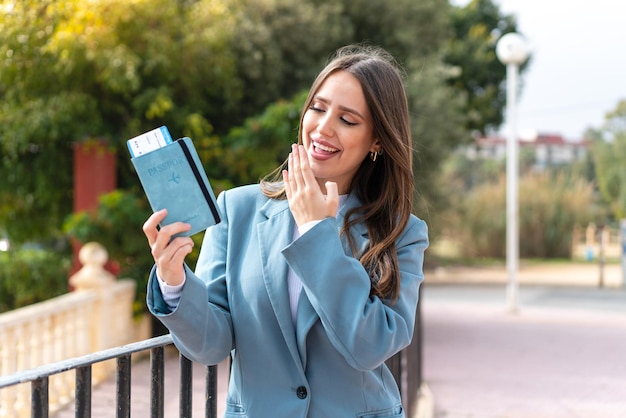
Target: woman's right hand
(169, 254)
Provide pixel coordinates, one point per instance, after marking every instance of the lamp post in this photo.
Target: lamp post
(512, 51)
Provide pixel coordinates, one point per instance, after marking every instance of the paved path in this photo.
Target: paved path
(562, 355)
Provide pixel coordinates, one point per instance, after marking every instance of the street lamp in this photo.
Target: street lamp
(512, 51)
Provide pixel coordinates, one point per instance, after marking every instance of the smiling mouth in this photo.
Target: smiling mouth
(324, 148)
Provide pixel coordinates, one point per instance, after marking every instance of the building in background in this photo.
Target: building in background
(546, 150)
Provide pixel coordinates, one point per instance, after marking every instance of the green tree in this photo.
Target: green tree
(109, 69)
(437, 129)
(262, 143)
(68, 76)
(406, 28)
(36, 119)
(280, 46)
(476, 71)
(609, 153)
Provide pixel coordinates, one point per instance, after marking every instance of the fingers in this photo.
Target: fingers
(295, 165)
(151, 224)
(287, 184)
(332, 192)
(163, 235)
(308, 178)
(304, 193)
(300, 176)
(332, 197)
(170, 261)
(169, 253)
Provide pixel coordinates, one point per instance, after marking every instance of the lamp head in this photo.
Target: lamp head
(512, 48)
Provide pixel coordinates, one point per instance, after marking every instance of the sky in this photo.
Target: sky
(577, 71)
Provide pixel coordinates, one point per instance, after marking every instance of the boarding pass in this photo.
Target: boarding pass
(149, 141)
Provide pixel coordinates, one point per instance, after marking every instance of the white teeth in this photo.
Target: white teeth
(324, 147)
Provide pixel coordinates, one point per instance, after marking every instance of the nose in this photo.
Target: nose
(325, 125)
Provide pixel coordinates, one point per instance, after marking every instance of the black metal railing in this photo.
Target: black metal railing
(406, 367)
(38, 377)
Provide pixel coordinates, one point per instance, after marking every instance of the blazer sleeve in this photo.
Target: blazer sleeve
(201, 324)
(365, 329)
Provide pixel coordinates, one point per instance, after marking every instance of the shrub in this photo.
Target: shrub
(550, 206)
(32, 275)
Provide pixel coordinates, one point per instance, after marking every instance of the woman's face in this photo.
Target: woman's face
(337, 130)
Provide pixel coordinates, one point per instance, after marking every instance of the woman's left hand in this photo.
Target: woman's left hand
(306, 200)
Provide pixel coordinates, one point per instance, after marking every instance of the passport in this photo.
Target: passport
(173, 178)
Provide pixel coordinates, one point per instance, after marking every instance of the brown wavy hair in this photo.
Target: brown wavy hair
(384, 186)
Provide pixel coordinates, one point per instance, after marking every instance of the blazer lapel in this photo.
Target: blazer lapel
(276, 232)
(306, 316)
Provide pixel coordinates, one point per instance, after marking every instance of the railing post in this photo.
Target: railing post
(39, 379)
(123, 381)
(211, 392)
(157, 390)
(83, 392)
(39, 398)
(412, 364)
(185, 387)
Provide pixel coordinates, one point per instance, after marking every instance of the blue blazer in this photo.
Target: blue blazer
(331, 362)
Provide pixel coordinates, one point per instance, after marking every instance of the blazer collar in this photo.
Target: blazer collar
(275, 230)
(274, 207)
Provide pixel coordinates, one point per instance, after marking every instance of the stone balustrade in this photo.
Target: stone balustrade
(96, 316)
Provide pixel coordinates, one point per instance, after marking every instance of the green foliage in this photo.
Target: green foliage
(436, 127)
(263, 142)
(76, 71)
(31, 275)
(609, 153)
(406, 28)
(463, 173)
(280, 45)
(550, 206)
(37, 175)
(116, 224)
(475, 70)
(115, 68)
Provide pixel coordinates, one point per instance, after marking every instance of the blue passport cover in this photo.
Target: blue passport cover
(173, 178)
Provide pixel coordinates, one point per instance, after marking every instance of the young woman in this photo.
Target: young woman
(311, 279)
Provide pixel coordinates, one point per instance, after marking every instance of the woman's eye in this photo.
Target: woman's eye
(347, 122)
(315, 108)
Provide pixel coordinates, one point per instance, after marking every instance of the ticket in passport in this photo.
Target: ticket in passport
(149, 141)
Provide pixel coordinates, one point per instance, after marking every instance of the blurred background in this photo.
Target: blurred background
(78, 78)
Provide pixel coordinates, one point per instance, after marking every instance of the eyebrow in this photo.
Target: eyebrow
(344, 108)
